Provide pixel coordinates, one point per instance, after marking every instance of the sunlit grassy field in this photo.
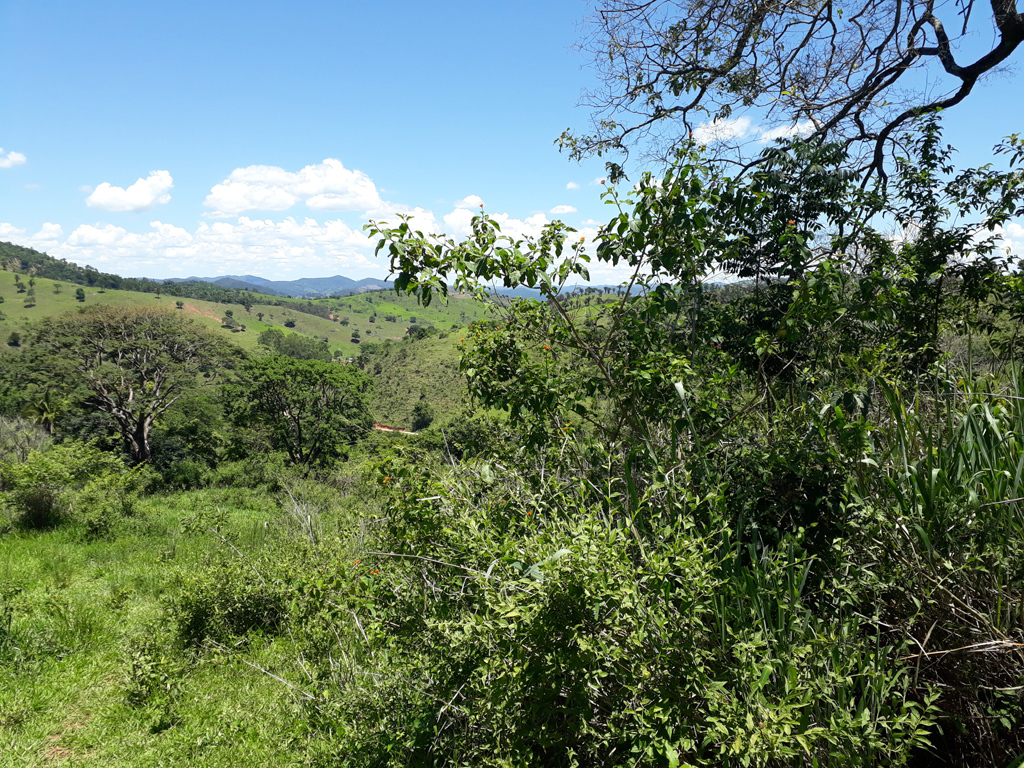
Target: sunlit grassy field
(89, 672)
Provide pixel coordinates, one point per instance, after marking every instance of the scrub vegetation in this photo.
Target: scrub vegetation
(774, 521)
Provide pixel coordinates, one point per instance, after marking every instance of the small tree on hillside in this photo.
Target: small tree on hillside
(80, 294)
(422, 415)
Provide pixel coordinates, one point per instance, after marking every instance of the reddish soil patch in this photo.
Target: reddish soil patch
(55, 753)
(202, 313)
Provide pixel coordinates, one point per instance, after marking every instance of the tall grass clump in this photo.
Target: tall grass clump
(942, 519)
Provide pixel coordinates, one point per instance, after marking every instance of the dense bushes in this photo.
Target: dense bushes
(71, 480)
(41, 489)
(227, 600)
(524, 628)
(296, 345)
(719, 535)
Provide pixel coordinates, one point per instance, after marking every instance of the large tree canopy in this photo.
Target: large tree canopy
(853, 72)
(312, 409)
(135, 361)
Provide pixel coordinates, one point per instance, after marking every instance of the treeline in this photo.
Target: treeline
(309, 308)
(17, 258)
(295, 345)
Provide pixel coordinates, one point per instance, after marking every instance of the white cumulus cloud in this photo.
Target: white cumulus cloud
(261, 246)
(11, 159)
(10, 233)
(1012, 234)
(572, 185)
(46, 238)
(558, 210)
(469, 203)
(141, 196)
(722, 130)
(326, 186)
(800, 128)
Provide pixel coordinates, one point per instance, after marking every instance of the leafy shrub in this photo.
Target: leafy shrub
(188, 474)
(227, 600)
(42, 489)
(108, 498)
(519, 627)
(153, 672)
(473, 434)
(262, 468)
(422, 416)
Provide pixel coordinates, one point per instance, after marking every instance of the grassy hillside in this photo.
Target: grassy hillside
(90, 676)
(405, 370)
(376, 316)
(18, 316)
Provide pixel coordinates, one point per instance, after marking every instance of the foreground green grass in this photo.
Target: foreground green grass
(90, 673)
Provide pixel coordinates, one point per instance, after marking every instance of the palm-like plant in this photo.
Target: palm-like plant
(44, 410)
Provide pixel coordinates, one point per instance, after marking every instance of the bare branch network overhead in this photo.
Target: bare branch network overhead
(853, 72)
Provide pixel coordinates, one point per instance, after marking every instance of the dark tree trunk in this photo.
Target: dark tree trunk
(138, 442)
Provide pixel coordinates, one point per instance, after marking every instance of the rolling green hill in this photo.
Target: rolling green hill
(405, 370)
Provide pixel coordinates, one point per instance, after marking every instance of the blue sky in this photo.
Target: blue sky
(169, 139)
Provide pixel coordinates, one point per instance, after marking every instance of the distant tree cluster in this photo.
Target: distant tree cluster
(295, 345)
(309, 308)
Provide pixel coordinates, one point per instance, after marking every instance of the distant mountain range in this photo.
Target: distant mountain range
(339, 285)
(305, 287)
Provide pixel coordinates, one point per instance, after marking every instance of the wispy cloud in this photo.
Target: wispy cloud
(572, 185)
(801, 128)
(558, 210)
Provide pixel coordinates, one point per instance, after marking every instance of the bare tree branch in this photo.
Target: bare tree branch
(823, 69)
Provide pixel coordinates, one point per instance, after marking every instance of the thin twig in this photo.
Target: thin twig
(427, 559)
(237, 552)
(989, 645)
